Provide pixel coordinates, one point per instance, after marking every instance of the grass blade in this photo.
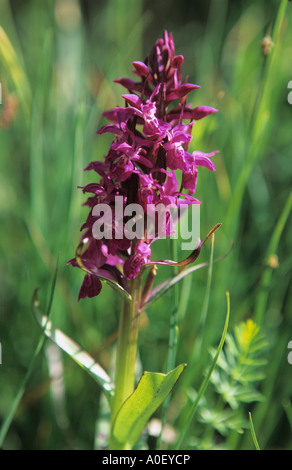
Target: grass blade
(172, 341)
(206, 380)
(267, 275)
(82, 358)
(206, 298)
(259, 125)
(9, 57)
(10, 415)
(253, 434)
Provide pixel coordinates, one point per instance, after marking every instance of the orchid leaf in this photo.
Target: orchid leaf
(189, 259)
(162, 288)
(81, 357)
(134, 414)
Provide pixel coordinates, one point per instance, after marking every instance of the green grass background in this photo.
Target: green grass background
(58, 66)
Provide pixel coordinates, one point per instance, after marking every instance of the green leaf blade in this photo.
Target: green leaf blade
(13, 408)
(134, 414)
(81, 357)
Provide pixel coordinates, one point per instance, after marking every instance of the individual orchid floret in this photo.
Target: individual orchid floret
(153, 127)
(141, 256)
(189, 177)
(176, 155)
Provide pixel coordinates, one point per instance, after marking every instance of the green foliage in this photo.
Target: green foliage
(240, 365)
(253, 433)
(57, 64)
(240, 368)
(134, 414)
(82, 358)
(208, 377)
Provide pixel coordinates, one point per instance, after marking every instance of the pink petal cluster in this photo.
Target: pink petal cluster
(152, 133)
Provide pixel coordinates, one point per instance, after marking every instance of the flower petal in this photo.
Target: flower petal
(202, 111)
(141, 69)
(90, 287)
(181, 91)
(133, 100)
(202, 159)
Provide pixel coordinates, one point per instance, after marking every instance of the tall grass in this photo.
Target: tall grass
(58, 61)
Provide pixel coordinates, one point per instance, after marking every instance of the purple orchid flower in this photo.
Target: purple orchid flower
(151, 141)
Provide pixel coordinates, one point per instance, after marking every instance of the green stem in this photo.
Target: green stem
(126, 350)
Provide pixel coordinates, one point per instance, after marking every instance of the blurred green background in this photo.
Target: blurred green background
(58, 61)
